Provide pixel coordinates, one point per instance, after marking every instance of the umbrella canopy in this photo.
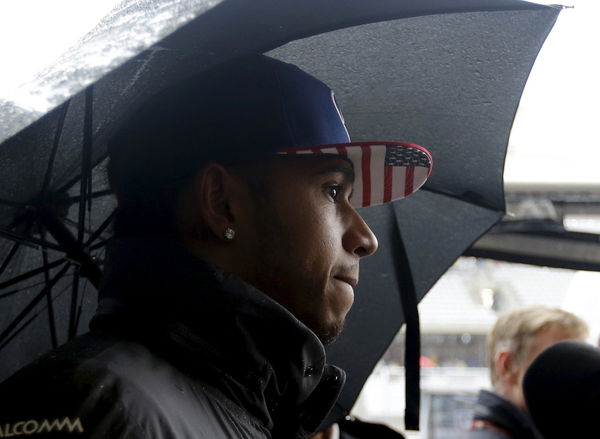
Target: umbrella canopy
(447, 75)
(451, 82)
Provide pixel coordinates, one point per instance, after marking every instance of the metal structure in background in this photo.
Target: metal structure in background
(538, 232)
(447, 75)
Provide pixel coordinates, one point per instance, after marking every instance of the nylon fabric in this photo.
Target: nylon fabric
(178, 349)
(501, 419)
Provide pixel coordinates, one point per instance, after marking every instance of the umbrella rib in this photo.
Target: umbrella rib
(17, 332)
(71, 247)
(25, 325)
(13, 251)
(79, 310)
(85, 189)
(29, 274)
(92, 195)
(461, 198)
(57, 137)
(11, 254)
(51, 321)
(101, 229)
(88, 230)
(86, 162)
(100, 244)
(18, 290)
(69, 184)
(33, 303)
(80, 307)
(11, 293)
(73, 310)
(30, 241)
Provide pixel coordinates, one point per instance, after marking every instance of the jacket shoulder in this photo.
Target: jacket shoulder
(102, 387)
(70, 389)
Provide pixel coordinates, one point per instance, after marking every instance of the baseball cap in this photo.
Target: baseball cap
(249, 109)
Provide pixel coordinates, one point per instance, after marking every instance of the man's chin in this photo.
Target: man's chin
(328, 334)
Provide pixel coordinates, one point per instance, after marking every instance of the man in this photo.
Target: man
(516, 339)
(236, 251)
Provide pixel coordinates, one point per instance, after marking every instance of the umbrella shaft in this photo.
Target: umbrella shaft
(65, 238)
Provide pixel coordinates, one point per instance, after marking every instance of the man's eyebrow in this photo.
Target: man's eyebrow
(346, 170)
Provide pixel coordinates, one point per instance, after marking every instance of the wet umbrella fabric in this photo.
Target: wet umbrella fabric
(455, 89)
(450, 81)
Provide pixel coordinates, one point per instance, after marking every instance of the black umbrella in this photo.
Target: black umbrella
(447, 75)
(451, 82)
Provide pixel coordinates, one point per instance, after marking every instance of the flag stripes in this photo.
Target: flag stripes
(383, 172)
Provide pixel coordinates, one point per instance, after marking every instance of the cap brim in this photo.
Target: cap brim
(384, 171)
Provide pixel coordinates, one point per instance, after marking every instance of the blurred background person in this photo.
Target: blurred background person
(514, 342)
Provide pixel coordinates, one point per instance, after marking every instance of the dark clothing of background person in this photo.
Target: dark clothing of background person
(562, 390)
(352, 428)
(177, 349)
(497, 418)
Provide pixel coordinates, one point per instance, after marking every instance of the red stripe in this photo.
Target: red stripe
(316, 150)
(387, 184)
(409, 180)
(366, 176)
(342, 150)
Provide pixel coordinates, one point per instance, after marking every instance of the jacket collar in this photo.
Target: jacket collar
(504, 414)
(203, 318)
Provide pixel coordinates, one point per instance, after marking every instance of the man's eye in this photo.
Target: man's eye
(334, 191)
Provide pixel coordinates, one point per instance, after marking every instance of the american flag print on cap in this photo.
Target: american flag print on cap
(384, 171)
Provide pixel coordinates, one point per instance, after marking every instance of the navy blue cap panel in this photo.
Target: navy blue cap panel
(310, 110)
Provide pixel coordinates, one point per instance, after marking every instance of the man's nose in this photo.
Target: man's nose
(359, 239)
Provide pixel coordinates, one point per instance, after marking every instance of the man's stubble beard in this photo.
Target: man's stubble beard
(272, 235)
(330, 334)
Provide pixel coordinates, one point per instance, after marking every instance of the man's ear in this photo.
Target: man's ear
(506, 366)
(212, 197)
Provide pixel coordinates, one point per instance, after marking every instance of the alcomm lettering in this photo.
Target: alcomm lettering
(32, 426)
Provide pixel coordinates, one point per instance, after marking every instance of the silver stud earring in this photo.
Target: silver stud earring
(229, 234)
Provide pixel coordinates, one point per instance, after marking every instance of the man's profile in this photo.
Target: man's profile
(514, 342)
(237, 247)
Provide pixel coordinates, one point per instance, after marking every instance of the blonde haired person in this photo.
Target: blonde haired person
(514, 342)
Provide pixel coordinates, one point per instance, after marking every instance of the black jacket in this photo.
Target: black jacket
(177, 349)
(497, 418)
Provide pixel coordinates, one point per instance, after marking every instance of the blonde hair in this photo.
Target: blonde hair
(516, 331)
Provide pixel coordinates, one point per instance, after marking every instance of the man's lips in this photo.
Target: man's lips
(352, 281)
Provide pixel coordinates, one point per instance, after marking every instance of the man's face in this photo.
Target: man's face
(308, 241)
(544, 339)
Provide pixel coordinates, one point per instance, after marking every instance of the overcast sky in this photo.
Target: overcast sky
(554, 140)
(36, 32)
(555, 137)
